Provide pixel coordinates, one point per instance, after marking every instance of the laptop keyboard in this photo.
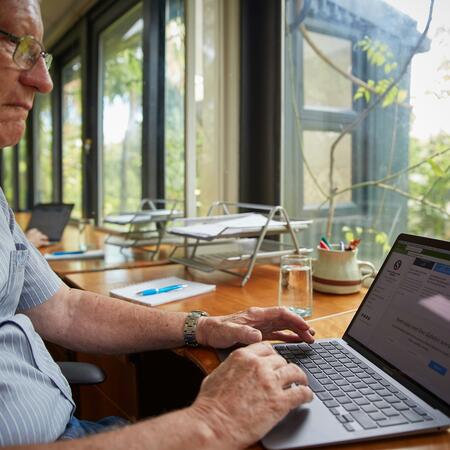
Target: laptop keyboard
(356, 395)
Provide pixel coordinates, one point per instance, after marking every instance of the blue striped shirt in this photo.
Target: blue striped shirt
(35, 399)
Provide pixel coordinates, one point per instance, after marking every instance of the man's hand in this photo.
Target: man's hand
(37, 238)
(253, 325)
(249, 393)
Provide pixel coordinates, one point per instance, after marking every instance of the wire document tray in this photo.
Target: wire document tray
(144, 228)
(234, 243)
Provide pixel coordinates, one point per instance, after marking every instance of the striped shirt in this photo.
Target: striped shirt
(35, 399)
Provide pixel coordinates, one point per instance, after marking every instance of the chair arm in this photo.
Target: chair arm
(81, 373)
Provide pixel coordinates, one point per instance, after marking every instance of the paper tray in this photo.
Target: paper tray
(234, 255)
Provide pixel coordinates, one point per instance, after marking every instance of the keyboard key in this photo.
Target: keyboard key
(364, 420)
(354, 395)
(366, 391)
(377, 416)
(331, 404)
(400, 406)
(382, 404)
(369, 408)
(348, 427)
(361, 401)
(390, 412)
(351, 407)
(334, 411)
(391, 421)
(343, 400)
(412, 416)
(324, 396)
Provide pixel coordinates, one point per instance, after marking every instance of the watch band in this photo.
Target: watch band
(190, 327)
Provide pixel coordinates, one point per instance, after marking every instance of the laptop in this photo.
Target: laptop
(51, 219)
(389, 375)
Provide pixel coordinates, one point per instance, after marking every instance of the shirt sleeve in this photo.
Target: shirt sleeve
(40, 282)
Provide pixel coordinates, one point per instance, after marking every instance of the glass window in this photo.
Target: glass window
(121, 59)
(43, 174)
(316, 147)
(8, 174)
(71, 136)
(23, 173)
(216, 108)
(174, 100)
(322, 87)
(364, 102)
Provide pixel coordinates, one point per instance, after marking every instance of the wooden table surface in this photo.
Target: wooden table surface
(331, 316)
(114, 258)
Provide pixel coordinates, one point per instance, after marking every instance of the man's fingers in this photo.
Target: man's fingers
(286, 336)
(296, 395)
(259, 349)
(291, 373)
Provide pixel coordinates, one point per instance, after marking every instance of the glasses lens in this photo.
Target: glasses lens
(27, 52)
(48, 60)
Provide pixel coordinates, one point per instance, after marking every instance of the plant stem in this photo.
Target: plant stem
(347, 75)
(416, 199)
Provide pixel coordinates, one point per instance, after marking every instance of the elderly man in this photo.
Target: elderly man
(237, 404)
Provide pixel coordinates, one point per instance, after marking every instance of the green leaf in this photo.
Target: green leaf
(436, 168)
(401, 96)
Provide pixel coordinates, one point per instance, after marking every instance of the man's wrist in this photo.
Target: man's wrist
(190, 328)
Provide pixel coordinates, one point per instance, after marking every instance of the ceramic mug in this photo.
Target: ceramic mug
(339, 272)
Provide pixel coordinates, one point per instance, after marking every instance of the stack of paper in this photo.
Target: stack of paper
(141, 216)
(246, 223)
(192, 288)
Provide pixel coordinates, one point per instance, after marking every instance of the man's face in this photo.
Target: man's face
(18, 86)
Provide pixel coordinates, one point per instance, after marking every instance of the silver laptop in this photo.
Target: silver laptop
(390, 373)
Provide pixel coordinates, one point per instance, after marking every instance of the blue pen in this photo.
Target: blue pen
(161, 289)
(74, 252)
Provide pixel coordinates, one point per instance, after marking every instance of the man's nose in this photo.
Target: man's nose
(37, 77)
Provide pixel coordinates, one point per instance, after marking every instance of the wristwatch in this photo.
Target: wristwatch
(190, 326)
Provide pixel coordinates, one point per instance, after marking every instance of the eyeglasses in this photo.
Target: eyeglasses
(28, 50)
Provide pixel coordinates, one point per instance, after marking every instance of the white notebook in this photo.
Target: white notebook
(131, 292)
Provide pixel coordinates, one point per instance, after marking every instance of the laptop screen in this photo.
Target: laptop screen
(405, 317)
(50, 219)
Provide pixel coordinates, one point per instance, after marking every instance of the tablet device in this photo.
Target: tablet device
(50, 219)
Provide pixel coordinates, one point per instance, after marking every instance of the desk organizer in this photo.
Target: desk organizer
(144, 228)
(234, 243)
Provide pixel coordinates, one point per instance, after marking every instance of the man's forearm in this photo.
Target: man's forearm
(93, 323)
(186, 429)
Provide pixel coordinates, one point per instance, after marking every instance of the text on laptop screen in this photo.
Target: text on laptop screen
(405, 318)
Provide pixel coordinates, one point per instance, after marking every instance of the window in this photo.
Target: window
(121, 76)
(71, 136)
(174, 101)
(23, 173)
(361, 158)
(7, 155)
(213, 104)
(43, 157)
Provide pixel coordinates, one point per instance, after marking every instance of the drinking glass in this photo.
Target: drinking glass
(295, 286)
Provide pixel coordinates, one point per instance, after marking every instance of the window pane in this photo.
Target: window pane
(391, 170)
(174, 100)
(316, 147)
(43, 174)
(121, 60)
(23, 171)
(72, 146)
(8, 180)
(323, 86)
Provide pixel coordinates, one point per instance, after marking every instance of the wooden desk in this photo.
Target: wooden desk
(114, 257)
(229, 296)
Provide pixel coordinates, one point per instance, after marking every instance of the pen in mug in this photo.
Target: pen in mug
(161, 290)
